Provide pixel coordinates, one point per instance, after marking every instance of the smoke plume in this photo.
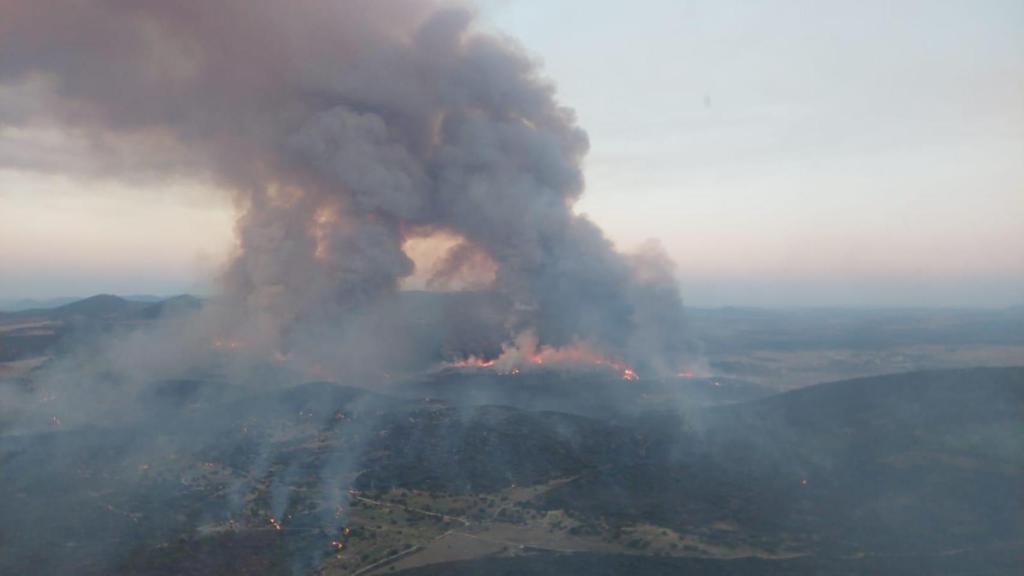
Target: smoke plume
(345, 128)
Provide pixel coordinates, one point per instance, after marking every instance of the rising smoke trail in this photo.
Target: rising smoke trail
(346, 128)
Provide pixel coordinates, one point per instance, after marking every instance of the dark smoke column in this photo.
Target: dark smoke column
(344, 127)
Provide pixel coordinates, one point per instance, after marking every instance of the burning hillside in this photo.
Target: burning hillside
(350, 134)
(345, 130)
(525, 354)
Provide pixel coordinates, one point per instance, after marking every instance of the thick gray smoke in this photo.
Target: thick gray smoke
(346, 128)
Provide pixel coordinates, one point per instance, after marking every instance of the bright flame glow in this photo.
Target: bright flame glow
(524, 353)
(473, 362)
(325, 218)
(223, 344)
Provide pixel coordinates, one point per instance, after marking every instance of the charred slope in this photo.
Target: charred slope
(132, 496)
(901, 472)
(486, 449)
(111, 498)
(907, 464)
(988, 562)
(596, 393)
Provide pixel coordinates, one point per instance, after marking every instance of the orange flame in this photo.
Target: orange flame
(325, 218)
(525, 353)
(224, 344)
(473, 362)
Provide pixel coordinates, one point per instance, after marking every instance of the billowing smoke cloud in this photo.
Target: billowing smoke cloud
(345, 128)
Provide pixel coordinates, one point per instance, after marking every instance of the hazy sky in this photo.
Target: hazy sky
(785, 153)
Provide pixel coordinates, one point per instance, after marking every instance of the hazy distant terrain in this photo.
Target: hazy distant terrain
(23, 304)
(30, 337)
(777, 348)
(468, 471)
(797, 347)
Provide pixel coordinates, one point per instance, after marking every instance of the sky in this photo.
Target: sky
(784, 153)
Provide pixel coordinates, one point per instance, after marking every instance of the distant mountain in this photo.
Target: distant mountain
(96, 307)
(172, 305)
(150, 298)
(103, 307)
(22, 304)
(40, 332)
